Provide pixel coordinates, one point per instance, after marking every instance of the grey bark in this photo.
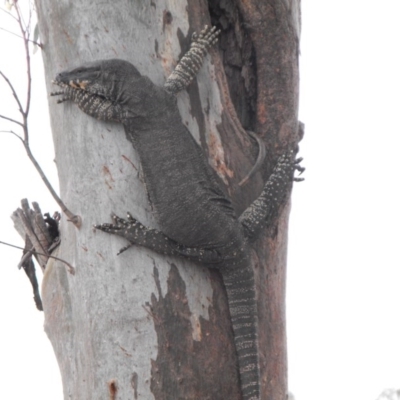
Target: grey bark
(119, 320)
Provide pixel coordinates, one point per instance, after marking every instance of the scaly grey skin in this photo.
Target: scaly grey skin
(197, 220)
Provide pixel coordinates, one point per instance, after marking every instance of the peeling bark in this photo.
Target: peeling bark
(186, 364)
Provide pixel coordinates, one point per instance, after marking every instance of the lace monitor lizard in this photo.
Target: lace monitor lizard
(196, 218)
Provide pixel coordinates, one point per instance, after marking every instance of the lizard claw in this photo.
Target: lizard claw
(125, 248)
(298, 168)
(130, 218)
(118, 221)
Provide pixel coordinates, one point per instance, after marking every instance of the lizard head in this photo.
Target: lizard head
(111, 90)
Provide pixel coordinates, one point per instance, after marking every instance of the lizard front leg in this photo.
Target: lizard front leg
(191, 62)
(138, 234)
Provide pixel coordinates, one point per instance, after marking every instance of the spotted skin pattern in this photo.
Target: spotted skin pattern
(192, 61)
(257, 214)
(197, 220)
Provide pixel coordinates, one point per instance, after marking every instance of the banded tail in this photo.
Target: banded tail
(240, 288)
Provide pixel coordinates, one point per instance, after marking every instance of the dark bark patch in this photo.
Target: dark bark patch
(238, 57)
(113, 389)
(108, 178)
(134, 383)
(186, 368)
(167, 18)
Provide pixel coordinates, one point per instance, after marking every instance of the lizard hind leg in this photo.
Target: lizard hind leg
(273, 195)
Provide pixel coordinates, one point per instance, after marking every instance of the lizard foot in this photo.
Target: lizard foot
(130, 229)
(260, 212)
(120, 225)
(299, 168)
(191, 62)
(206, 38)
(285, 168)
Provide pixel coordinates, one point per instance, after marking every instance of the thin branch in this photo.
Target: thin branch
(8, 13)
(28, 254)
(15, 134)
(13, 92)
(20, 37)
(25, 34)
(28, 25)
(12, 120)
(71, 269)
(75, 219)
(20, 17)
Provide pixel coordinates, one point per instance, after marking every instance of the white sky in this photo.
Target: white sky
(343, 274)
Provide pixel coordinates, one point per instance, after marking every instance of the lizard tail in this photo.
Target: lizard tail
(240, 288)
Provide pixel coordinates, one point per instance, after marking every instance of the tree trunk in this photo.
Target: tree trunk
(139, 325)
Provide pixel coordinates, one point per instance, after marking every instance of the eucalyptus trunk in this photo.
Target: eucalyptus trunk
(140, 325)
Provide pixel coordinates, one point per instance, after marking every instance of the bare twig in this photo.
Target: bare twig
(19, 36)
(71, 269)
(8, 13)
(75, 219)
(28, 254)
(13, 133)
(28, 25)
(25, 32)
(13, 92)
(12, 120)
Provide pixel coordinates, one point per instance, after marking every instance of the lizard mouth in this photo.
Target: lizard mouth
(88, 99)
(77, 84)
(69, 90)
